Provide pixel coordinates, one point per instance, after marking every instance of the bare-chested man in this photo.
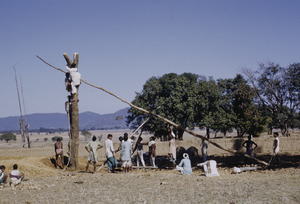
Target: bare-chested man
(58, 146)
(248, 144)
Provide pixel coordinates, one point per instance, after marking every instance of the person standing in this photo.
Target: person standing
(172, 147)
(126, 152)
(152, 151)
(248, 144)
(276, 147)
(58, 147)
(204, 147)
(139, 156)
(110, 154)
(92, 147)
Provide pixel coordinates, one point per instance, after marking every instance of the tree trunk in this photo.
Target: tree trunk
(74, 119)
(180, 134)
(207, 132)
(22, 132)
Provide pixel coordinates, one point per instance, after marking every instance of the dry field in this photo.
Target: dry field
(45, 184)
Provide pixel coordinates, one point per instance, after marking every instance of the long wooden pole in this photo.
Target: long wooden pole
(164, 119)
(21, 115)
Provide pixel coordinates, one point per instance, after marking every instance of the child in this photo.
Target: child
(3, 176)
(152, 151)
(15, 176)
(185, 166)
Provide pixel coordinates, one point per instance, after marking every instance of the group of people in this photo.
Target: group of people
(14, 178)
(127, 148)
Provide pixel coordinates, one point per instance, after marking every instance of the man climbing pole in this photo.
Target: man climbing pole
(73, 79)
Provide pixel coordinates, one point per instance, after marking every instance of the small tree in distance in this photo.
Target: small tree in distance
(87, 135)
(8, 136)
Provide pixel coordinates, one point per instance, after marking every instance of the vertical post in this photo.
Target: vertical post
(74, 118)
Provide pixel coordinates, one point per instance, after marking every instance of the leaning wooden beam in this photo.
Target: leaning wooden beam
(162, 118)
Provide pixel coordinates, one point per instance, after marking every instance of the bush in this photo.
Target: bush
(8, 136)
(54, 139)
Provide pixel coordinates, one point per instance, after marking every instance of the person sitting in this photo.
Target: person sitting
(15, 176)
(3, 176)
(185, 166)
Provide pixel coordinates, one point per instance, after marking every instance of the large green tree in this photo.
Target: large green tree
(278, 91)
(208, 113)
(172, 96)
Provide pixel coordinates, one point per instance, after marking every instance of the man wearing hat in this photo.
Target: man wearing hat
(185, 166)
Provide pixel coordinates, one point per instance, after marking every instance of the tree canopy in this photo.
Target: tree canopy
(271, 99)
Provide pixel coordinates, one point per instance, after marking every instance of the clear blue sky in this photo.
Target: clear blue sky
(123, 43)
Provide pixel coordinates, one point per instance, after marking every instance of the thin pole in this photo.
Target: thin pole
(21, 120)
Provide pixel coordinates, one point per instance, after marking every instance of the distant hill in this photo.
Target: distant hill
(87, 120)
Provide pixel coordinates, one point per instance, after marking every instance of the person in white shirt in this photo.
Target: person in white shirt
(110, 153)
(3, 176)
(75, 77)
(15, 176)
(185, 166)
(92, 147)
(126, 152)
(276, 147)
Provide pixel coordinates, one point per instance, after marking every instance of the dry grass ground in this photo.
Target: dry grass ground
(45, 184)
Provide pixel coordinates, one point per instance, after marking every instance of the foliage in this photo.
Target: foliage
(8, 136)
(54, 139)
(86, 134)
(278, 91)
(172, 96)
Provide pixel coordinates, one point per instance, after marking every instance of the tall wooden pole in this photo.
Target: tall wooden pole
(74, 118)
(21, 115)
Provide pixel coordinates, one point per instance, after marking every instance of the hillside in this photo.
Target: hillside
(87, 120)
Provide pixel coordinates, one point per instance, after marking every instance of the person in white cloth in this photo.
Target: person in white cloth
(185, 166)
(75, 77)
(92, 147)
(126, 152)
(110, 154)
(172, 147)
(276, 147)
(15, 176)
(3, 176)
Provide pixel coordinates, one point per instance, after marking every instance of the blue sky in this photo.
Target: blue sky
(122, 43)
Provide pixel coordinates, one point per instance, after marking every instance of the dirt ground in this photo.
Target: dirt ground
(45, 184)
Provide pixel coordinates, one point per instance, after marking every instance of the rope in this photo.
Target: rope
(162, 118)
